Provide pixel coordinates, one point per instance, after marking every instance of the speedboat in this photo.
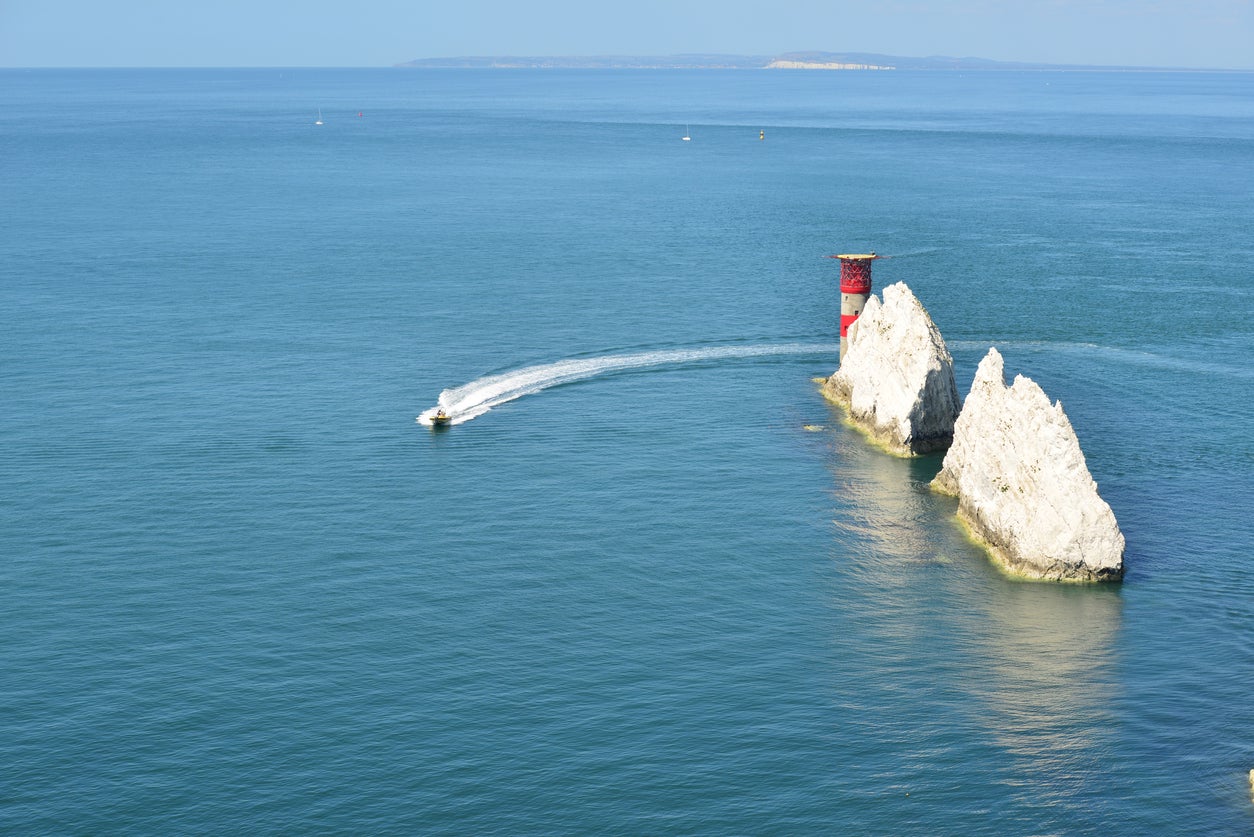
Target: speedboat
(440, 419)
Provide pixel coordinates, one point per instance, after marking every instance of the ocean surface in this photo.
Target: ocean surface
(649, 583)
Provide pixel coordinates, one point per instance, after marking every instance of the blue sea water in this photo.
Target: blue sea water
(243, 591)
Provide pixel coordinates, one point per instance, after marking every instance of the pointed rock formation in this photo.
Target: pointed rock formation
(1023, 486)
(897, 379)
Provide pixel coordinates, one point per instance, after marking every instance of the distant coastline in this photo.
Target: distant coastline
(833, 61)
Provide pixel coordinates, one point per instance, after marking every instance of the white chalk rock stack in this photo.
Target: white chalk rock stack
(897, 378)
(1023, 486)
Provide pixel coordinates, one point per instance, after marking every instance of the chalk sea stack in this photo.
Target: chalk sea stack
(1023, 485)
(897, 379)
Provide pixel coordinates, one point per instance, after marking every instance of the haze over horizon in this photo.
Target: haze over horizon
(1202, 34)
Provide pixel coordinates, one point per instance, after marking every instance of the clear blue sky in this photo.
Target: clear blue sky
(365, 33)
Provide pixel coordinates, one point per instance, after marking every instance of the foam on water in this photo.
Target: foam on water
(472, 400)
(1133, 357)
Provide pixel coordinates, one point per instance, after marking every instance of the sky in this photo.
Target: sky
(378, 33)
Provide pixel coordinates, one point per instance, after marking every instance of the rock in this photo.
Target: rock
(1023, 486)
(897, 378)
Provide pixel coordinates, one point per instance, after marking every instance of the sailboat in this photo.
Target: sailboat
(687, 138)
(319, 122)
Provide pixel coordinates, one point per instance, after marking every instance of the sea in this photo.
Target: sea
(647, 581)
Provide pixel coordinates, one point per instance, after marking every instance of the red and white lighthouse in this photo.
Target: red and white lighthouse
(855, 287)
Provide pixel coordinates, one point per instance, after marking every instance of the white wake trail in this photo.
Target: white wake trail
(471, 400)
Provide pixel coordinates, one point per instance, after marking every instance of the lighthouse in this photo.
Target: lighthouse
(855, 287)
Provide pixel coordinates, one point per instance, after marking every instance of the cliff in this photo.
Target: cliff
(782, 64)
(701, 61)
(1023, 485)
(897, 379)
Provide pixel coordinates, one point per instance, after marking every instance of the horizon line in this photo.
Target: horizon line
(1025, 67)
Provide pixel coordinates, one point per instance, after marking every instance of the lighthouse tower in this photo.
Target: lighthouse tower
(855, 287)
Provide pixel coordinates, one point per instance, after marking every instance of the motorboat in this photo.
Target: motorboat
(440, 419)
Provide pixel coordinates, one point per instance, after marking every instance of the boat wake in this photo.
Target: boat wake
(468, 401)
(1198, 364)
